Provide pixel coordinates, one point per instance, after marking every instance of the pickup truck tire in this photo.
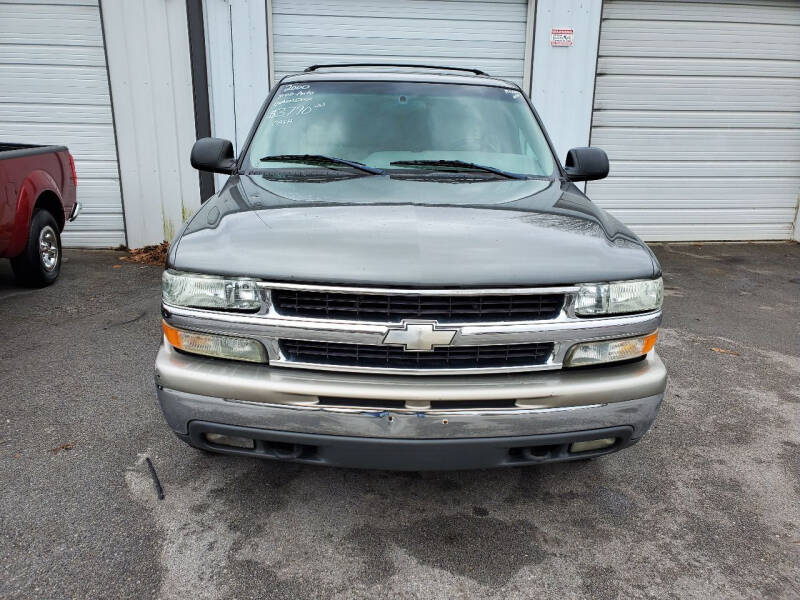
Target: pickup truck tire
(40, 262)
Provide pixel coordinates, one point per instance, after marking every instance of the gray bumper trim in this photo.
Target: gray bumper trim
(181, 408)
(407, 455)
(195, 388)
(551, 389)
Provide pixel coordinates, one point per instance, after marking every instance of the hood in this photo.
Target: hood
(391, 231)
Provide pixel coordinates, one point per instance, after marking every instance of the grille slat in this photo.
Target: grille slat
(389, 357)
(390, 308)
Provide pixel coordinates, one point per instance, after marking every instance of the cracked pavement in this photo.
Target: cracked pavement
(707, 505)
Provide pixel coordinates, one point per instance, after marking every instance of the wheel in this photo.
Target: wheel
(40, 261)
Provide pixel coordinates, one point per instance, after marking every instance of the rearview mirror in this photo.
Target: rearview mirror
(586, 164)
(214, 155)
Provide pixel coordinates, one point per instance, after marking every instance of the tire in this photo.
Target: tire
(40, 261)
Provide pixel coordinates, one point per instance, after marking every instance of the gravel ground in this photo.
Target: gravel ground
(705, 506)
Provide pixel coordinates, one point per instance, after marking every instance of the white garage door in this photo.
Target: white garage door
(483, 34)
(698, 107)
(54, 90)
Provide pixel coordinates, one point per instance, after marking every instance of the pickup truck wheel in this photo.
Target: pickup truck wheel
(40, 262)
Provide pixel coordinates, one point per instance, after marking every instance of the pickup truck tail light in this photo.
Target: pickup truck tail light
(218, 346)
(74, 173)
(606, 351)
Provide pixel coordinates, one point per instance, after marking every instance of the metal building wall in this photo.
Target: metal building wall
(54, 90)
(276, 37)
(490, 35)
(698, 107)
(563, 76)
(147, 42)
(238, 73)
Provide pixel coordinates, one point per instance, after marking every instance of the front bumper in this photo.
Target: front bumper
(282, 409)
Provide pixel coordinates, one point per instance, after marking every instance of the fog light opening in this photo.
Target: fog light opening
(230, 440)
(590, 445)
(542, 451)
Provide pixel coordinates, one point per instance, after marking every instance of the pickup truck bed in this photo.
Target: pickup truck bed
(37, 198)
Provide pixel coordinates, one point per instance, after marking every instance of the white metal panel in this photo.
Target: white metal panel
(148, 55)
(32, 54)
(563, 77)
(54, 90)
(704, 39)
(489, 35)
(686, 92)
(698, 106)
(238, 73)
(746, 11)
(708, 145)
(720, 192)
(697, 118)
(717, 67)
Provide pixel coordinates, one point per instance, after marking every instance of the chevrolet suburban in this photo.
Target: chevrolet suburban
(400, 274)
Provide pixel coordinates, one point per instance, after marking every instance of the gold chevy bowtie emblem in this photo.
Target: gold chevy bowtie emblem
(419, 336)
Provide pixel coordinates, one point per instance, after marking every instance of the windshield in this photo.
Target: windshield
(378, 123)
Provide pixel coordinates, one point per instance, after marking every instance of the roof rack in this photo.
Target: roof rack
(439, 68)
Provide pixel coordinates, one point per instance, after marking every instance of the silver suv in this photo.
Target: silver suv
(399, 274)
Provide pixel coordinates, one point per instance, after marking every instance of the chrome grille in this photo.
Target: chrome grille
(389, 357)
(354, 329)
(393, 308)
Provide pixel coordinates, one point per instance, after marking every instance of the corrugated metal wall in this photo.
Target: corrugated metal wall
(54, 90)
(489, 35)
(698, 107)
(148, 56)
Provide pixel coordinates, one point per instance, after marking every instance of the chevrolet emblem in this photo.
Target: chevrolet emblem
(419, 336)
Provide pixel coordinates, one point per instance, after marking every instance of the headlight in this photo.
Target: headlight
(210, 291)
(591, 353)
(619, 297)
(219, 346)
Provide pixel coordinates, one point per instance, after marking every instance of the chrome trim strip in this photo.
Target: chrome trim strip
(563, 289)
(281, 362)
(470, 334)
(180, 408)
(439, 412)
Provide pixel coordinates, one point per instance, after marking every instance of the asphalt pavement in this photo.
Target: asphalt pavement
(706, 506)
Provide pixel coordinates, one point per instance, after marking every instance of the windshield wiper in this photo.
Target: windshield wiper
(459, 165)
(321, 159)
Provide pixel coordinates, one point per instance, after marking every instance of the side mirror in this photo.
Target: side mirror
(214, 155)
(586, 164)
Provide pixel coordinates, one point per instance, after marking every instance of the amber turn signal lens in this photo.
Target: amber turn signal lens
(173, 335)
(218, 346)
(650, 342)
(608, 351)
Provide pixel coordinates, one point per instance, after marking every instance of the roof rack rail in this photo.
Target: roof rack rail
(437, 67)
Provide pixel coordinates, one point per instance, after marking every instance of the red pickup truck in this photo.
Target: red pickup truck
(37, 198)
